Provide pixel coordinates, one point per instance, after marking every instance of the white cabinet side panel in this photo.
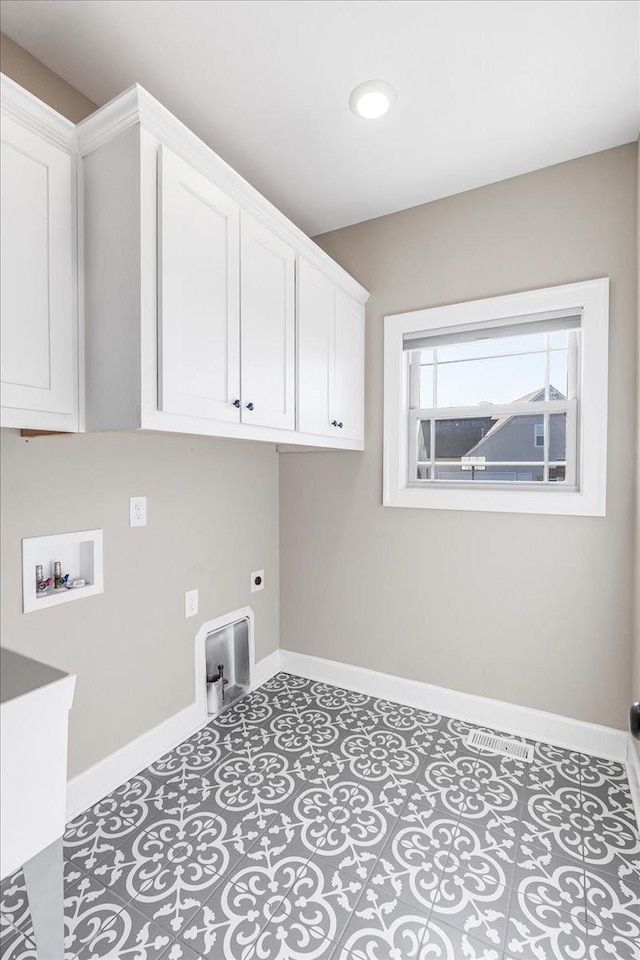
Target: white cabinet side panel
(111, 192)
(267, 305)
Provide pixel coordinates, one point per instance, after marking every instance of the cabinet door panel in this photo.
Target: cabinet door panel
(346, 387)
(38, 352)
(316, 309)
(198, 301)
(267, 310)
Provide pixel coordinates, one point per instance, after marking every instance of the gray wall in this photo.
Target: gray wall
(536, 610)
(213, 518)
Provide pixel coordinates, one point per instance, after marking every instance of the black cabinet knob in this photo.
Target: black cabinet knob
(236, 403)
(334, 423)
(249, 406)
(341, 425)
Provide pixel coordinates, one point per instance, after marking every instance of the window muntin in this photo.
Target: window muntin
(496, 409)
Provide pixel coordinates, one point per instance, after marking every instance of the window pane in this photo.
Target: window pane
(558, 436)
(426, 386)
(499, 380)
(424, 440)
(559, 339)
(497, 439)
(558, 374)
(511, 473)
(557, 474)
(423, 472)
(457, 438)
(491, 347)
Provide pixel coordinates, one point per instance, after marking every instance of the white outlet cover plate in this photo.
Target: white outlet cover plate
(191, 603)
(137, 511)
(257, 586)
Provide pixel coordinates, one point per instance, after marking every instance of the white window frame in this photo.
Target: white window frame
(588, 497)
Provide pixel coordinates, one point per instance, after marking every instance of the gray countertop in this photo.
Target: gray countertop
(20, 675)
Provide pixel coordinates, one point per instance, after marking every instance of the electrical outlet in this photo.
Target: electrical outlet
(191, 603)
(138, 512)
(257, 581)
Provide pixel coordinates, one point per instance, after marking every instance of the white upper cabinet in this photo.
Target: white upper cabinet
(346, 383)
(267, 305)
(190, 295)
(330, 358)
(39, 328)
(198, 294)
(316, 313)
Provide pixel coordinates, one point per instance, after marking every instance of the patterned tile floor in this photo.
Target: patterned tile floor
(315, 823)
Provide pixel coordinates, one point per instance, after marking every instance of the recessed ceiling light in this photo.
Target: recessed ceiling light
(372, 99)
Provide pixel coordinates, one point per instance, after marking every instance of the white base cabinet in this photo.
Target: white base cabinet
(39, 322)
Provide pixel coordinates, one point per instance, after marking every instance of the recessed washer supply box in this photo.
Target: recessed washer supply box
(80, 554)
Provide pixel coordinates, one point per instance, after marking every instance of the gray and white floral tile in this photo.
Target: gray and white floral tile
(483, 854)
(244, 902)
(444, 942)
(15, 946)
(540, 930)
(313, 915)
(92, 835)
(551, 879)
(178, 951)
(475, 906)
(310, 822)
(555, 822)
(411, 870)
(383, 926)
(128, 935)
(445, 781)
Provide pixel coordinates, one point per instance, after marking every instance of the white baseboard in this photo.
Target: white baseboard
(524, 721)
(90, 786)
(97, 781)
(100, 779)
(266, 668)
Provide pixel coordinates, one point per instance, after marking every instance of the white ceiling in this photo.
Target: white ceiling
(486, 90)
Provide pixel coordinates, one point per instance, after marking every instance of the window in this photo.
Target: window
(483, 402)
(538, 434)
(499, 404)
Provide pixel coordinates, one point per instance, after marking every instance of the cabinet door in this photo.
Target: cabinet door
(38, 352)
(267, 323)
(316, 318)
(346, 384)
(198, 294)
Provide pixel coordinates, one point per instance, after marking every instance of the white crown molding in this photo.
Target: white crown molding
(137, 106)
(32, 113)
(527, 722)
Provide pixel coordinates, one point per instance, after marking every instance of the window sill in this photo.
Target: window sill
(556, 502)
